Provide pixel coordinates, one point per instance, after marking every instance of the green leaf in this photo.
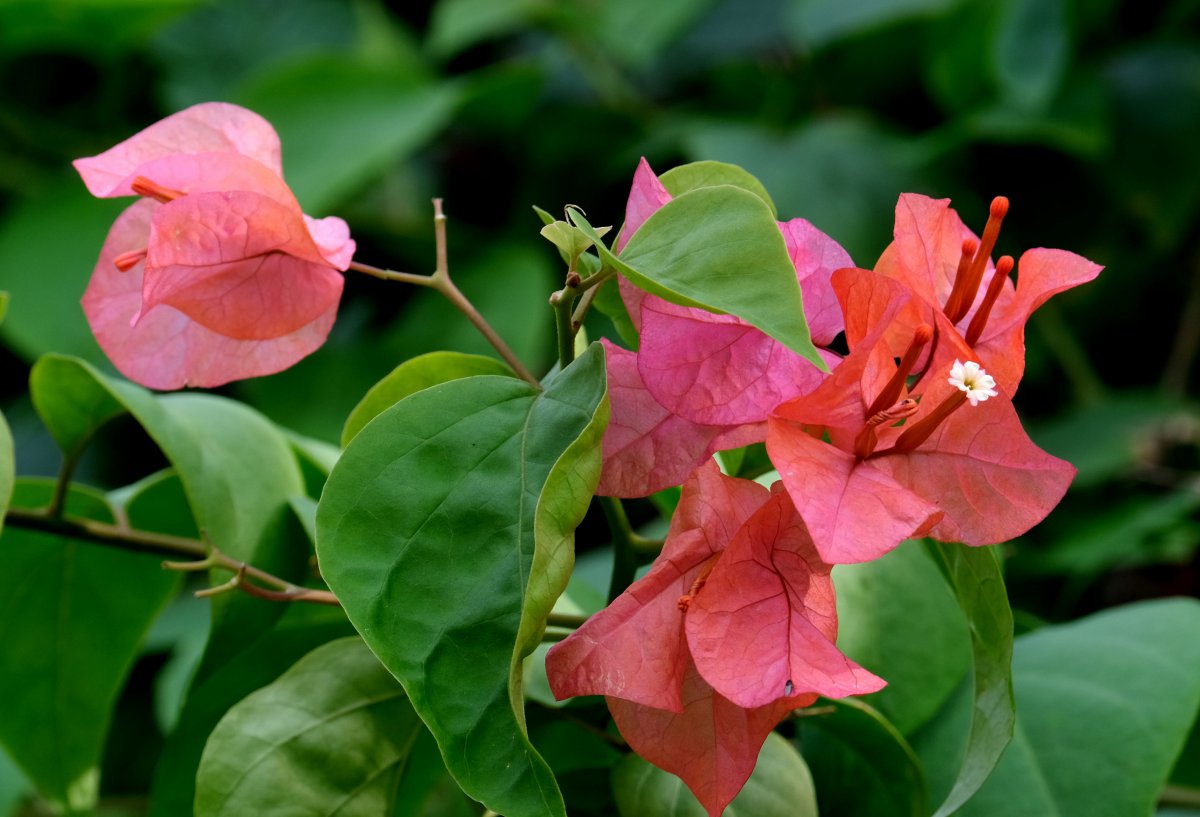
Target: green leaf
(334, 732)
(855, 742)
(237, 469)
(841, 172)
(302, 629)
(342, 122)
(73, 616)
(975, 575)
(45, 314)
(610, 304)
(14, 788)
(898, 618)
(694, 175)
(415, 375)
(1105, 704)
(780, 786)
(1030, 51)
(718, 248)
(815, 23)
(8, 473)
(456, 25)
(469, 491)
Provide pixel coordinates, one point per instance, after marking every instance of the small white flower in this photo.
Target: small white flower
(978, 384)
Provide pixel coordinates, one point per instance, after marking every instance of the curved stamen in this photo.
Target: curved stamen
(867, 439)
(966, 285)
(971, 383)
(891, 391)
(153, 190)
(979, 321)
(128, 260)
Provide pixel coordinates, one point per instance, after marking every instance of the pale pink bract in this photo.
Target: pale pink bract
(217, 275)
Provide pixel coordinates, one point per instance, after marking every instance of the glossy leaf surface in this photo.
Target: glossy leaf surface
(489, 477)
(333, 733)
(72, 629)
(780, 786)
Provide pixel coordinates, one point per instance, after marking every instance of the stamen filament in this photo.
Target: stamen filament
(128, 260)
(920, 431)
(153, 190)
(891, 392)
(966, 285)
(685, 600)
(979, 321)
(867, 439)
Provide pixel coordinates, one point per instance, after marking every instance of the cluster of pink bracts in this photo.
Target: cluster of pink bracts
(735, 625)
(215, 274)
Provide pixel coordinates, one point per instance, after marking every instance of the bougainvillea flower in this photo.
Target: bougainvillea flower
(215, 274)
(647, 448)
(715, 372)
(947, 267)
(869, 461)
(703, 656)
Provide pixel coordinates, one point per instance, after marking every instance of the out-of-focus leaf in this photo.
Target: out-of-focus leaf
(492, 476)
(8, 468)
(456, 25)
(210, 52)
(73, 616)
(634, 31)
(13, 785)
(781, 786)
(1136, 532)
(1076, 122)
(841, 173)
(414, 375)
(508, 284)
(974, 574)
(1030, 51)
(1105, 439)
(855, 742)
(343, 122)
(568, 747)
(111, 27)
(238, 471)
(1115, 691)
(898, 619)
(1155, 90)
(814, 23)
(956, 57)
(426, 789)
(302, 629)
(334, 731)
(718, 248)
(45, 273)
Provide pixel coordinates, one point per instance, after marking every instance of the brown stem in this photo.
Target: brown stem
(206, 556)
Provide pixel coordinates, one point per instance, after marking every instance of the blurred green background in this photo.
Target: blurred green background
(1085, 113)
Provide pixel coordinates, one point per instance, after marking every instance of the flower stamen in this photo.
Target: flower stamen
(867, 439)
(891, 391)
(973, 385)
(979, 321)
(966, 284)
(153, 190)
(128, 260)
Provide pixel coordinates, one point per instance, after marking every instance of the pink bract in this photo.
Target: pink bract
(217, 275)
(690, 686)
(924, 256)
(977, 478)
(707, 380)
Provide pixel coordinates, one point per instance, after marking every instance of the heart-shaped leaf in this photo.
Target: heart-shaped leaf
(446, 530)
(334, 731)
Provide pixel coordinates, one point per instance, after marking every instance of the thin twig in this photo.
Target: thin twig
(565, 620)
(205, 555)
(440, 280)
